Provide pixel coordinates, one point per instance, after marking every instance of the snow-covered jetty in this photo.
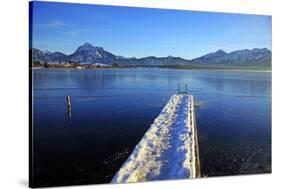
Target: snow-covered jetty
(169, 149)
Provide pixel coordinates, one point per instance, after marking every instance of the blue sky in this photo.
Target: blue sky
(143, 32)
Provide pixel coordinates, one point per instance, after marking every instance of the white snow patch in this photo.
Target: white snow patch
(167, 150)
(98, 54)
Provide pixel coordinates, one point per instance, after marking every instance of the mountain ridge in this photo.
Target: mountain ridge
(89, 54)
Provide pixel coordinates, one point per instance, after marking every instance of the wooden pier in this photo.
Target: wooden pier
(169, 149)
(195, 131)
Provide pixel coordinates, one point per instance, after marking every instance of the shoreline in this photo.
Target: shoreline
(159, 67)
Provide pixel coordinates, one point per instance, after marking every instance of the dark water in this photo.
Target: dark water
(112, 109)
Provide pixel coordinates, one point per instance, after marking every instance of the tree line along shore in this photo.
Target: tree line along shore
(74, 65)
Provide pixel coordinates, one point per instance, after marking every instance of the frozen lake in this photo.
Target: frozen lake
(112, 110)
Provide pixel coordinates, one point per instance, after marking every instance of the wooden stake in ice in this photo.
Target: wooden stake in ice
(68, 106)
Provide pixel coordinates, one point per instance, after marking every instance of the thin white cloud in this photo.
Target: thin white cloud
(74, 32)
(55, 24)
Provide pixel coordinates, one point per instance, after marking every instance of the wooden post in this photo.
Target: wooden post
(186, 88)
(178, 88)
(68, 106)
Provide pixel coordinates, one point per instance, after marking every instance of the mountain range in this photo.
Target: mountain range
(88, 54)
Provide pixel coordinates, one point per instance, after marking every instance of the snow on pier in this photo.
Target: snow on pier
(168, 150)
